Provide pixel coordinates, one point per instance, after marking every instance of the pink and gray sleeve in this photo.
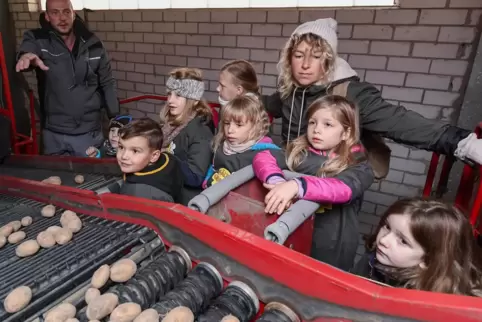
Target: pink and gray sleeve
(266, 168)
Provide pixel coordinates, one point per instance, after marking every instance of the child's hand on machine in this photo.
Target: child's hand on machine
(280, 196)
(92, 152)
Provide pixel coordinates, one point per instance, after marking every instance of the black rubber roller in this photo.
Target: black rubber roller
(155, 279)
(195, 292)
(277, 312)
(238, 299)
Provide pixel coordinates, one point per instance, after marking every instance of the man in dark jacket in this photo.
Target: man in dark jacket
(310, 69)
(74, 80)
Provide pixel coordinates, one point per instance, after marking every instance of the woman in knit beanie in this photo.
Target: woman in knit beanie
(310, 68)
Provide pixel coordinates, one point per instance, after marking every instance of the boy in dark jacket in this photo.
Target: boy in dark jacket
(109, 148)
(148, 173)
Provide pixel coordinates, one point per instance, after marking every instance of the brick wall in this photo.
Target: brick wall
(417, 56)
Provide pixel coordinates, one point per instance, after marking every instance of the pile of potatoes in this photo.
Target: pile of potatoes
(55, 180)
(11, 232)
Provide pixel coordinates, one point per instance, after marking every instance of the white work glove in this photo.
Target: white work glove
(470, 148)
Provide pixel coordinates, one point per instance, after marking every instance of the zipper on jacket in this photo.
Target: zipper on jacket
(70, 54)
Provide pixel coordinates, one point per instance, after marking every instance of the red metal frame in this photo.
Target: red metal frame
(466, 186)
(258, 261)
(18, 141)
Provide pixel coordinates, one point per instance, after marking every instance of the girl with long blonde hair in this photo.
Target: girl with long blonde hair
(186, 126)
(336, 176)
(425, 245)
(242, 132)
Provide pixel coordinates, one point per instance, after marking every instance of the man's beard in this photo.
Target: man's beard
(64, 33)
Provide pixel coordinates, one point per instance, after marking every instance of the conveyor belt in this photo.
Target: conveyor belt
(52, 273)
(92, 181)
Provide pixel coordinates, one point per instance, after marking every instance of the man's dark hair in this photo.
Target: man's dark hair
(145, 127)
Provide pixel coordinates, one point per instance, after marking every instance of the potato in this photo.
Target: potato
(230, 318)
(17, 299)
(149, 315)
(79, 179)
(67, 215)
(123, 270)
(63, 236)
(74, 224)
(53, 230)
(16, 224)
(91, 294)
(26, 221)
(6, 230)
(27, 248)
(100, 276)
(53, 180)
(48, 211)
(16, 237)
(3, 241)
(46, 239)
(179, 314)
(61, 312)
(102, 306)
(125, 312)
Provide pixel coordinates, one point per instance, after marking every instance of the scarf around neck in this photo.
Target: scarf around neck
(170, 131)
(230, 149)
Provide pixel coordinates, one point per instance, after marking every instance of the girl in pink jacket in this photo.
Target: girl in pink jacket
(337, 174)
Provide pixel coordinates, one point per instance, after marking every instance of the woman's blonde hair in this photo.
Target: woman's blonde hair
(452, 259)
(243, 108)
(286, 81)
(344, 112)
(243, 74)
(200, 108)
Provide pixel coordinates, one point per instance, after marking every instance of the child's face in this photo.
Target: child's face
(237, 131)
(395, 244)
(324, 131)
(227, 89)
(176, 103)
(114, 137)
(306, 64)
(134, 154)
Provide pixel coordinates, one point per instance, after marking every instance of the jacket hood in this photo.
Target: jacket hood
(80, 29)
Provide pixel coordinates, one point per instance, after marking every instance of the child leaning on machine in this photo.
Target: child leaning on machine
(242, 132)
(337, 175)
(109, 147)
(148, 172)
(424, 245)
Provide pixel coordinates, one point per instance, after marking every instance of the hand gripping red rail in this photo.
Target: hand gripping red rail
(466, 186)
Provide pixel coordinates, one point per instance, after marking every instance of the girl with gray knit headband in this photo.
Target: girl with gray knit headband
(187, 128)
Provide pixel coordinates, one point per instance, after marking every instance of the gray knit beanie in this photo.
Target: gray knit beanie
(325, 28)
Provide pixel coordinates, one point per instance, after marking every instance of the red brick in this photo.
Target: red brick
(210, 28)
(385, 78)
(283, 16)
(223, 16)
(366, 61)
(123, 26)
(237, 29)
(457, 34)
(440, 98)
(105, 26)
(266, 30)
(178, 39)
(117, 56)
(145, 88)
(135, 58)
(154, 38)
(456, 84)
(155, 59)
(234, 53)
(150, 15)
(125, 46)
(435, 50)
(186, 50)
(288, 29)
(199, 40)
(144, 48)
(185, 28)
(390, 48)
(271, 69)
(128, 67)
(443, 17)
(223, 41)
(133, 37)
(402, 94)
(135, 77)
(125, 85)
(423, 4)
(475, 17)
(353, 46)
(198, 16)
(164, 27)
(416, 33)
(250, 42)
(251, 16)
(428, 81)
(113, 15)
(143, 27)
(355, 16)
(115, 36)
(266, 80)
(373, 32)
(309, 15)
(345, 31)
(145, 68)
(175, 15)
(131, 15)
(211, 52)
(164, 49)
(465, 4)
(195, 62)
(449, 67)
(264, 55)
(396, 17)
(155, 79)
(408, 64)
(176, 61)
